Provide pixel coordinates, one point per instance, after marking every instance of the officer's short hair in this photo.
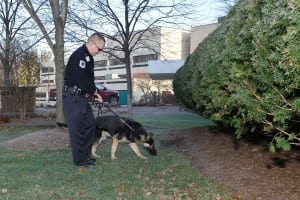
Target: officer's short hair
(96, 36)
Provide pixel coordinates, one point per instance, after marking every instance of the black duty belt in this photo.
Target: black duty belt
(75, 90)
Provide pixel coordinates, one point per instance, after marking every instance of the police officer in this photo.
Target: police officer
(78, 86)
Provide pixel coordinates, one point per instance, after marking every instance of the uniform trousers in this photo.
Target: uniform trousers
(81, 125)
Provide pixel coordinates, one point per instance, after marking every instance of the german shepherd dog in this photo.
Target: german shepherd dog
(131, 132)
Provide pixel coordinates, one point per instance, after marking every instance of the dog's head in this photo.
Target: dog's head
(148, 143)
(143, 136)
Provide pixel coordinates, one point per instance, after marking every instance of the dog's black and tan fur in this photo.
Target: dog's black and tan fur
(113, 127)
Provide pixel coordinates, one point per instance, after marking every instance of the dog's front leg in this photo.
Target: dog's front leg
(136, 150)
(94, 148)
(114, 147)
(97, 143)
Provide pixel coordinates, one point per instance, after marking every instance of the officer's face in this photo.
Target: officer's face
(98, 46)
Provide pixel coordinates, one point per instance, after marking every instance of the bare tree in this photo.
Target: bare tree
(144, 84)
(152, 90)
(225, 5)
(14, 29)
(54, 35)
(125, 25)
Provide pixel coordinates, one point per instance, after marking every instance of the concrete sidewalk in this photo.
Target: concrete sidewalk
(157, 110)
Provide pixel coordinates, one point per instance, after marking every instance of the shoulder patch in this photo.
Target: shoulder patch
(82, 64)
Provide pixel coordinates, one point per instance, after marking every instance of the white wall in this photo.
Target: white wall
(199, 33)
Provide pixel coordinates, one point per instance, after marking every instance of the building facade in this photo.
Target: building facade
(161, 44)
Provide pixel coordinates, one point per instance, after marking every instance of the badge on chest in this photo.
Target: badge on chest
(82, 64)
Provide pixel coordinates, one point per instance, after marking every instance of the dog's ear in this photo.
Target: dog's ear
(149, 136)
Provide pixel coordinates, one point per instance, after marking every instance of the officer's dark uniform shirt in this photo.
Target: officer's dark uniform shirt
(80, 71)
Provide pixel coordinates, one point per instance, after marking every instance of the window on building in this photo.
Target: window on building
(47, 69)
(101, 63)
(40, 94)
(120, 61)
(123, 76)
(99, 77)
(144, 58)
(48, 81)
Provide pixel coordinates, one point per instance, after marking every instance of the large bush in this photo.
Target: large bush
(246, 74)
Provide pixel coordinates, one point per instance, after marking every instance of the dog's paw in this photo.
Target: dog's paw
(114, 158)
(94, 155)
(143, 157)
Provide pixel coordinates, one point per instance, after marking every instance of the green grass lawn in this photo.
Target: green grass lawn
(49, 174)
(174, 121)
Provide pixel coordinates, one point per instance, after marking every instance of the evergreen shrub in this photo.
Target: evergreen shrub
(246, 74)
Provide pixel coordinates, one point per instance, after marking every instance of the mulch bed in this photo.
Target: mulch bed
(249, 170)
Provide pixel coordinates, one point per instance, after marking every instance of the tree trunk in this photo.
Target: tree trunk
(60, 68)
(6, 72)
(129, 84)
(6, 64)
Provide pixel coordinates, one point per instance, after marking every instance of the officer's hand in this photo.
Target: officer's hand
(98, 98)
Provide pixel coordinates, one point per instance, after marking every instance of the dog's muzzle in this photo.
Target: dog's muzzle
(151, 150)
